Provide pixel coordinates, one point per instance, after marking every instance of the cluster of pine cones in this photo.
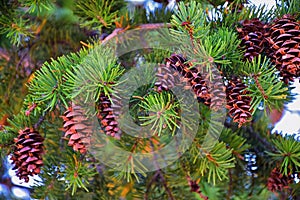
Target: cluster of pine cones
(211, 94)
(78, 128)
(278, 40)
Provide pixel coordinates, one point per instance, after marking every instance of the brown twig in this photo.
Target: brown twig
(257, 136)
(150, 184)
(254, 135)
(195, 187)
(159, 173)
(255, 76)
(41, 119)
(142, 26)
(166, 185)
(229, 192)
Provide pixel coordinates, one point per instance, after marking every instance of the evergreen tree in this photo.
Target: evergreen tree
(111, 100)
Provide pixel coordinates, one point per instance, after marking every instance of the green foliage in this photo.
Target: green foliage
(98, 73)
(214, 164)
(287, 7)
(78, 174)
(264, 85)
(232, 19)
(96, 14)
(37, 5)
(220, 47)
(189, 21)
(47, 85)
(6, 137)
(161, 113)
(40, 29)
(15, 28)
(234, 141)
(288, 153)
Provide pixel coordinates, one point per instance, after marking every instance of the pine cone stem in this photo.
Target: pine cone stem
(260, 87)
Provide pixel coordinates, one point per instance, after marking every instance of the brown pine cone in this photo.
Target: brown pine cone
(238, 103)
(253, 38)
(278, 181)
(217, 90)
(27, 155)
(78, 127)
(285, 46)
(191, 77)
(166, 78)
(108, 116)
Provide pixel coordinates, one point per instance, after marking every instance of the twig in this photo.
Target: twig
(4, 54)
(195, 188)
(41, 119)
(142, 26)
(159, 172)
(229, 185)
(255, 76)
(165, 185)
(255, 135)
(149, 185)
(262, 140)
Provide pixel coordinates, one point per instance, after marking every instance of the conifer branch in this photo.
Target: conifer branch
(255, 135)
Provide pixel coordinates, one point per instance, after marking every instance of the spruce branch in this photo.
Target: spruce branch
(189, 22)
(97, 13)
(288, 153)
(48, 85)
(97, 73)
(254, 135)
(162, 113)
(215, 162)
(264, 86)
(153, 179)
(77, 175)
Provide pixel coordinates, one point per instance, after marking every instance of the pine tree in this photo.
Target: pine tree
(95, 120)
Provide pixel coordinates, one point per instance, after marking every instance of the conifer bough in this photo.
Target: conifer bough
(251, 52)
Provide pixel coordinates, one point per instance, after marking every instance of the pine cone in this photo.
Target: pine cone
(278, 181)
(285, 49)
(191, 77)
(217, 91)
(107, 116)
(79, 127)
(237, 103)
(252, 34)
(200, 87)
(165, 78)
(27, 155)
